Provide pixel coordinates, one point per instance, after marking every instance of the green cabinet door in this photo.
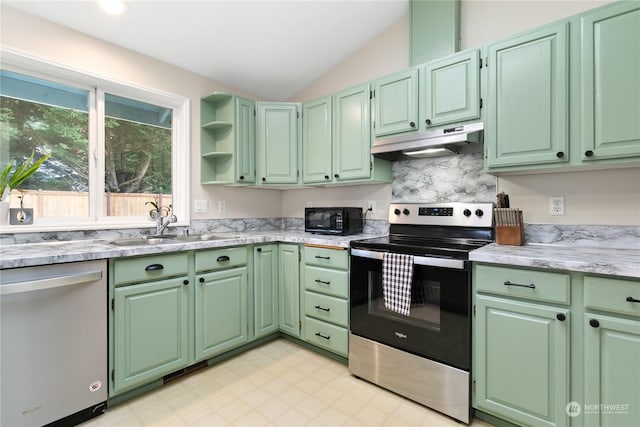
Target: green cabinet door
(245, 141)
(317, 141)
(150, 332)
(265, 289)
(396, 103)
(352, 133)
(527, 117)
(220, 311)
(522, 361)
(278, 128)
(611, 371)
(289, 289)
(610, 68)
(450, 90)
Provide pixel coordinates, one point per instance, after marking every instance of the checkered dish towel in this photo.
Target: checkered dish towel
(397, 274)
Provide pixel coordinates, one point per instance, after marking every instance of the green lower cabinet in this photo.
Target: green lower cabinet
(522, 361)
(220, 311)
(150, 332)
(289, 289)
(611, 371)
(265, 289)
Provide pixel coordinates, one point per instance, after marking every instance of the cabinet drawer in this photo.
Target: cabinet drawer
(327, 308)
(617, 295)
(529, 284)
(217, 259)
(326, 281)
(143, 269)
(323, 257)
(325, 335)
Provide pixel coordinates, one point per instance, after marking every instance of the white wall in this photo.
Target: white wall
(69, 48)
(588, 195)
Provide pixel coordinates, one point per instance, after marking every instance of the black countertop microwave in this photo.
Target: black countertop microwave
(340, 221)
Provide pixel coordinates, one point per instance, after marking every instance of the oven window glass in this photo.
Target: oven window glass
(425, 301)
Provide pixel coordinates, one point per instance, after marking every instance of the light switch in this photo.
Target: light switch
(201, 206)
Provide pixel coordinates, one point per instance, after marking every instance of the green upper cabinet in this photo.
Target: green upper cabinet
(434, 29)
(245, 141)
(227, 139)
(450, 90)
(527, 117)
(317, 141)
(610, 67)
(396, 103)
(278, 130)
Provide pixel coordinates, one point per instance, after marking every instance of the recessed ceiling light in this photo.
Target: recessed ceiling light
(114, 7)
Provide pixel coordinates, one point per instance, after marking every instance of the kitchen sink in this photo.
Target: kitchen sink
(200, 237)
(142, 241)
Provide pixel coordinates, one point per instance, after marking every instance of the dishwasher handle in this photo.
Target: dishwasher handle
(50, 282)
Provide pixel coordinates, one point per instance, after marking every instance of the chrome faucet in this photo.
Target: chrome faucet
(163, 222)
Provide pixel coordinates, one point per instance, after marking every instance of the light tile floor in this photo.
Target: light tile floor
(277, 384)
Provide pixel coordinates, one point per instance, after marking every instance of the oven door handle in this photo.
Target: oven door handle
(417, 260)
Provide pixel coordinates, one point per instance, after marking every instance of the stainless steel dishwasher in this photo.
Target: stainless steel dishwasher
(53, 354)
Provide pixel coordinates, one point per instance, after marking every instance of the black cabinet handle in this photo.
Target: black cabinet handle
(561, 317)
(530, 286)
(259, 249)
(264, 179)
(336, 176)
(560, 154)
(632, 299)
(428, 121)
(185, 282)
(323, 282)
(201, 280)
(322, 308)
(241, 177)
(326, 177)
(412, 124)
(588, 153)
(323, 257)
(222, 258)
(594, 323)
(154, 267)
(326, 337)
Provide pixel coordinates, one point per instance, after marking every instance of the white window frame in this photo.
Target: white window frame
(98, 86)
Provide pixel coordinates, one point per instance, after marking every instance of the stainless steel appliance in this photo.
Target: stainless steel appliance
(424, 355)
(336, 220)
(53, 332)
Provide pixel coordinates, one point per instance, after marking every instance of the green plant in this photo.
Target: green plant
(9, 181)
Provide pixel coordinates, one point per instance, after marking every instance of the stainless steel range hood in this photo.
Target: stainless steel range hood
(452, 140)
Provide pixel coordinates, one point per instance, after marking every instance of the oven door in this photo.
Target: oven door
(439, 322)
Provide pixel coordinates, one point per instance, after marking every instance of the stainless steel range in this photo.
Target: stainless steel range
(419, 347)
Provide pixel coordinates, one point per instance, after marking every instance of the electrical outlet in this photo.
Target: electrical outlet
(222, 206)
(556, 205)
(201, 206)
(371, 206)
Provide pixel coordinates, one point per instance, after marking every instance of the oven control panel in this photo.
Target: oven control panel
(452, 213)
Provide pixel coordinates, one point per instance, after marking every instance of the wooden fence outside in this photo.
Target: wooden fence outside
(76, 204)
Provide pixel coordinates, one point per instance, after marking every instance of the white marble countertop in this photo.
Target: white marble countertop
(31, 254)
(600, 260)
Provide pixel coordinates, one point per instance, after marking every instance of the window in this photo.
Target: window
(113, 147)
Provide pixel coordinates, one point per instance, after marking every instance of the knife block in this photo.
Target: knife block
(510, 235)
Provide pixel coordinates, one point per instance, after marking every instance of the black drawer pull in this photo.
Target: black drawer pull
(185, 282)
(222, 258)
(322, 308)
(259, 249)
(323, 282)
(594, 323)
(632, 299)
(326, 337)
(561, 317)
(201, 280)
(530, 286)
(154, 267)
(323, 257)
